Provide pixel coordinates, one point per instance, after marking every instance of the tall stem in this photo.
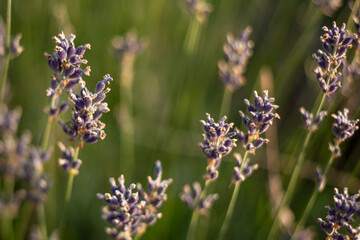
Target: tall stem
(226, 102)
(313, 198)
(195, 217)
(294, 177)
(67, 197)
(7, 54)
(230, 210)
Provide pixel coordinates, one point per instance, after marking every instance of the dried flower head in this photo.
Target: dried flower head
(130, 211)
(328, 7)
(193, 198)
(341, 216)
(237, 52)
(199, 9)
(66, 61)
(15, 48)
(335, 43)
(87, 109)
(308, 118)
(261, 117)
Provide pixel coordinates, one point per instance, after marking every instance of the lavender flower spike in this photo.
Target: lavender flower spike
(217, 143)
(237, 52)
(193, 199)
(87, 109)
(130, 211)
(199, 9)
(67, 161)
(343, 127)
(335, 43)
(342, 216)
(260, 119)
(241, 175)
(310, 123)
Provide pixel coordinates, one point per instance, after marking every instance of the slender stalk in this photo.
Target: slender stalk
(313, 198)
(67, 197)
(225, 226)
(22, 226)
(294, 177)
(42, 220)
(192, 36)
(226, 102)
(195, 217)
(7, 54)
(126, 121)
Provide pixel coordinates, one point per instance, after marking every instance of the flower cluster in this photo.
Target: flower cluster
(66, 62)
(87, 109)
(260, 119)
(335, 43)
(130, 211)
(341, 216)
(328, 7)
(237, 52)
(343, 127)
(312, 124)
(242, 170)
(129, 44)
(67, 160)
(217, 143)
(199, 9)
(195, 200)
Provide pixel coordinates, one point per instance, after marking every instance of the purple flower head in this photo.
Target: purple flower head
(237, 52)
(130, 210)
(335, 43)
(343, 127)
(67, 161)
(241, 173)
(9, 120)
(199, 9)
(129, 44)
(87, 108)
(341, 216)
(308, 118)
(261, 117)
(66, 61)
(193, 199)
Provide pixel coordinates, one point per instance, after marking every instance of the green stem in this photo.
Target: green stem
(225, 226)
(67, 198)
(195, 217)
(22, 226)
(192, 36)
(226, 102)
(294, 177)
(7, 53)
(313, 198)
(42, 220)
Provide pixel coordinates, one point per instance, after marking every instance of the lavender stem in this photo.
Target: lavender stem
(225, 226)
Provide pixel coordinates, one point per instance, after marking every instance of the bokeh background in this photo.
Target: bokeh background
(172, 91)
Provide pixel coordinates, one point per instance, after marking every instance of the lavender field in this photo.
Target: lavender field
(179, 119)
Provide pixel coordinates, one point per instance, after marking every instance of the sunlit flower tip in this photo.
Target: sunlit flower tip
(199, 9)
(343, 127)
(15, 48)
(320, 179)
(128, 44)
(328, 7)
(206, 203)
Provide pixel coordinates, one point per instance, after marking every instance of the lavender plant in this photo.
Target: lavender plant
(341, 216)
(130, 212)
(261, 117)
(342, 128)
(335, 43)
(217, 142)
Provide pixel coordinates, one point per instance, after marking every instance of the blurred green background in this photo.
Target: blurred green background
(172, 91)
